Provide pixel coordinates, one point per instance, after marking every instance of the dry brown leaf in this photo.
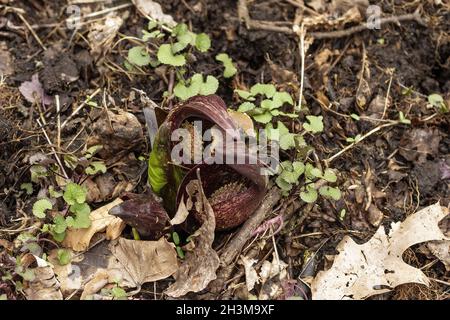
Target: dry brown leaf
(375, 267)
(44, 286)
(200, 265)
(145, 261)
(101, 35)
(153, 9)
(79, 239)
(251, 276)
(181, 214)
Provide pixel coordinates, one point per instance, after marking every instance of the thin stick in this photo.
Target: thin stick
(58, 111)
(302, 58)
(79, 108)
(53, 149)
(347, 32)
(387, 95)
(99, 13)
(236, 244)
(330, 159)
(31, 30)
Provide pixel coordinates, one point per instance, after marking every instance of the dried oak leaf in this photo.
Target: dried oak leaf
(79, 239)
(375, 267)
(145, 261)
(200, 265)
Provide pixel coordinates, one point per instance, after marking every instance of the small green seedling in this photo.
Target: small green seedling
(230, 69)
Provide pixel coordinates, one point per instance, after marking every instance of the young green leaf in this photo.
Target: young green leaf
(282, 135)
(28, 187)
(91, 151)
(330, 192)
(202, 42)
(329, 175)
(265, 89)
(436, 100)
(166, 56)
(280, 98)
(74, 194)
(53, 193)
(81, 220)
(210, 86)
(263, 118)
(60, 224)
(63, 256)
(139, 56)
(118, 293)
(283, 184)
(180, 252)
(402, 118)
(315, 124)
(245, 95)
(37, 172)
(230, 69)
(309, 195)
(82, 208)
(176, 238)
(246, 106)
(40, 207)
(95, 167)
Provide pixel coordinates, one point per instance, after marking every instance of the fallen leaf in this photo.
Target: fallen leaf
(33, 91)
(102, 34)
(44, 285)
(153, 9)
(181, 214)
(251, 276)
(79, 239)
(146, 261)
(200, 265)
(375, 267)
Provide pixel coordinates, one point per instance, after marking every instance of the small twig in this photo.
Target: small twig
(58, 111)
(234, 247)
(302, 59)
(386, 101)
(31, 30)
(53, 149)
(347, 32)
(330, 159)
(261, 25)
(99, 13)
(80, 107)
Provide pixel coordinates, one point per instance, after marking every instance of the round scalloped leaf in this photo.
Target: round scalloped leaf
(139, 56)
(166, 56)
(40, 207)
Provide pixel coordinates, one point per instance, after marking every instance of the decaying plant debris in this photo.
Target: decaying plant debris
(92, 205)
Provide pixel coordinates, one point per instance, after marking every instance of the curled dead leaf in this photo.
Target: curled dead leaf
(200, 265)
(102, 221)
